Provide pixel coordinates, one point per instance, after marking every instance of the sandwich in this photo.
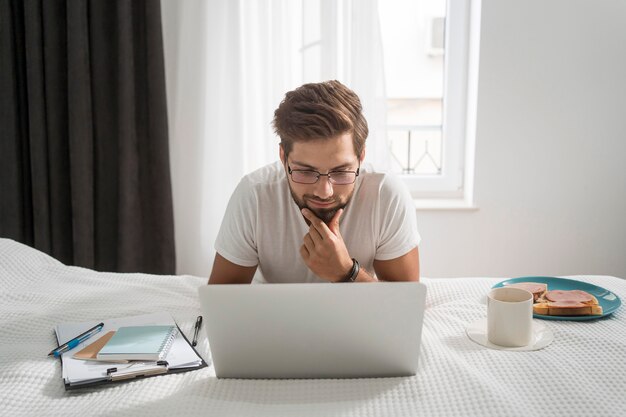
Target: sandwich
(567, 303)
(560, 302)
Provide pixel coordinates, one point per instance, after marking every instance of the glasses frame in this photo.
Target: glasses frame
(329, 175)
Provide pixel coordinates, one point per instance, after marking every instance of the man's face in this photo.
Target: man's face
(323, 155)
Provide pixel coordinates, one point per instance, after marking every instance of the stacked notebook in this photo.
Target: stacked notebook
(149, 343)
(129, 347)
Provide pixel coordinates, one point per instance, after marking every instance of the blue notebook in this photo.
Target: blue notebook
(149, 343)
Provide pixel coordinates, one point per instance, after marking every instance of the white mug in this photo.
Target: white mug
(509, 317)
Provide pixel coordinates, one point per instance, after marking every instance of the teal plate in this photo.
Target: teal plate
(607, 299)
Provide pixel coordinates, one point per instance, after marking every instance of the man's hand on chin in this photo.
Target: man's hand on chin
(324, 251)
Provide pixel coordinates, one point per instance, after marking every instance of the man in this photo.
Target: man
(318, 215)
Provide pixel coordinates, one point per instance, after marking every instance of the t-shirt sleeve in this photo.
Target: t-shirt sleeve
(397, 220)
(236, 239)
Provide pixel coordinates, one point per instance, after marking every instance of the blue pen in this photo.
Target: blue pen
(76, 341)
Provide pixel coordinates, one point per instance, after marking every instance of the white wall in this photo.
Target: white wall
(551, 141)
(550, 179)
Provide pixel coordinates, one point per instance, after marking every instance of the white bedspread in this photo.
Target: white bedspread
(583, 372)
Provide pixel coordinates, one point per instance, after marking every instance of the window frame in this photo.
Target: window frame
(458, 121)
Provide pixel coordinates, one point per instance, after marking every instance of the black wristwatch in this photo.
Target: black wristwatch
(354, 272)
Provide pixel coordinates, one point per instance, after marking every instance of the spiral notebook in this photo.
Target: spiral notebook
(150, 343)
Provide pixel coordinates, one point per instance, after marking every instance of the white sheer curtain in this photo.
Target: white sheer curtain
(229, 63)
(364, 73)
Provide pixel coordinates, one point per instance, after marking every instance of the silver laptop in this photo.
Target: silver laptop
(346, 330)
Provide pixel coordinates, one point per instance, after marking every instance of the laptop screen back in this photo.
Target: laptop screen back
(314, 330)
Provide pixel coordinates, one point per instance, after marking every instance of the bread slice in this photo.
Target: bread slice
(586, 310)
(567, 308)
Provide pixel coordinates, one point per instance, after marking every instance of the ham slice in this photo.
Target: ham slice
(575, 296)
(534, 287)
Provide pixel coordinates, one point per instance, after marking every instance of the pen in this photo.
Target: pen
(76, 341)
(196, 329)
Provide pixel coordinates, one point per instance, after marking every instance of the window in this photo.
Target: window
(426, 55)
(427, 59)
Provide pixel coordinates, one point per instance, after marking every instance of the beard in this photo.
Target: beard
(324, 214)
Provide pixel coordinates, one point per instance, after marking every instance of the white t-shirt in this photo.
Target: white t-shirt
(263, 225)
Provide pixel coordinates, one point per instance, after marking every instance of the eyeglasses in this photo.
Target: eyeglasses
(305, 176)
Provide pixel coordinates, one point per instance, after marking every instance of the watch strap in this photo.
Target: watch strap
(354, 272)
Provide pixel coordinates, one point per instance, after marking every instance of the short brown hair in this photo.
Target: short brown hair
(320, 110)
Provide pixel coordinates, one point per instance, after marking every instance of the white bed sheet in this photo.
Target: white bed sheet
(583, 372)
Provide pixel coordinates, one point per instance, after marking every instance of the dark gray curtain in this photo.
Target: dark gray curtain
(84, 160)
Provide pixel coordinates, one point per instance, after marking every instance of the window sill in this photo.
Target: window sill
(444, 204)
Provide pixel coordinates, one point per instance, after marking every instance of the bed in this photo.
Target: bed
(583, 372)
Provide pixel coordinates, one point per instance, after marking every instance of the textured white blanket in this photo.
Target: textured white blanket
(583, 372)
